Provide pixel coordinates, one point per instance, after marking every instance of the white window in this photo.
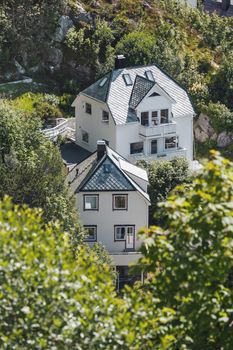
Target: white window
(127, 79)
(120, 202)
(136, 147)
(171, 142)
(91, 233)
(88, 108)
(105, 117)
(85, 136)
(122, 232)
(91, 202)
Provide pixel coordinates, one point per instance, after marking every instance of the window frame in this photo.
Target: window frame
(87, 133)
(161, 117)
(156, 146)
(176, 142)
(119, 195)
(105, 120)
(132, 143)
(146, 115)
(126, 226)
(87, 106)
(95, 229)
(84, 202)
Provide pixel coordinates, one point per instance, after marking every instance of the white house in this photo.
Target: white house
(141, 112)
(112, 201)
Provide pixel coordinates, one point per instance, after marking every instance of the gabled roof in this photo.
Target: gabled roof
(110, 173)
(107, 177)
(122, 99)
(141, 87)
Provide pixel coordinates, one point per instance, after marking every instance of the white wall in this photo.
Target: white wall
(93, 123)
(125, 135)
(184, 129)
(106, 218)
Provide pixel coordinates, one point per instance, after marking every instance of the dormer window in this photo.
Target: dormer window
(127, 79)
(149, 75)
(105, 117)
(103, 81)
(88, 108)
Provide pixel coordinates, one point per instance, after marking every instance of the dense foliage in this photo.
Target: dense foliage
(164, 176)
(48, 300)
(191, 260)
(31, 169)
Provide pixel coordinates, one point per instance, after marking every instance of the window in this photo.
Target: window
(127, 79)
(149, 75)
(85, 136)
(88, 108)
(164, 116)
(122, 232)
(154, 118)
(120, 202)
(103, 81)
(105, 117)
(154, 147)
(91, 233)
(145, 118)
(136, 147)
(91, 202)
(171, 142)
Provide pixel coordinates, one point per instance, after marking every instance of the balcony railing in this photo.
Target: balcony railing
(166, 154)
(160, 130)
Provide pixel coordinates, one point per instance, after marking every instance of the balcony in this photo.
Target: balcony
(160, 130)
(125, 258)
(166, 155)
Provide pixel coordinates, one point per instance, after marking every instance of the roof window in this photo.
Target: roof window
(149, 75)
(127, 79)
(103, 81)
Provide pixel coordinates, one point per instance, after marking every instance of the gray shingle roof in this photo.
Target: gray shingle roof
(90, 175)
(121, 100)
(112, 180)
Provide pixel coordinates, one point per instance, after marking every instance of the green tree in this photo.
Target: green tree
(192, 258)
(91, 46)
(138, 48)
(222, 83)
(50, 301)
(32, 170)
(164, 176)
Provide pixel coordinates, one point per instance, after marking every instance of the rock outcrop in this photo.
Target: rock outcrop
(203, 130)
(64, 24)
(224, 139)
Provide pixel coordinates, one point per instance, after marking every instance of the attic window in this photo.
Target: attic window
(154, 94)
(103, 81)
(149, 75)
(127, 79)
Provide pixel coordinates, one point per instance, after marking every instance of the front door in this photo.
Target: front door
(129, 242)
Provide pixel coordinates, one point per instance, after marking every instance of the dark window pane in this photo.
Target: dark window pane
(136, 147)
(164, 116)
(145, 118)
(153, 146)
(88, 108)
